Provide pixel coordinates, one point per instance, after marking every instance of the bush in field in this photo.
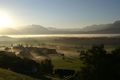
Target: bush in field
(100, 65)
(46, 66)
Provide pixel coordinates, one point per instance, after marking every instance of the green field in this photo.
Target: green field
(67, 63)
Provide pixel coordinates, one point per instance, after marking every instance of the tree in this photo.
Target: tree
(99, 64)
(47, 66)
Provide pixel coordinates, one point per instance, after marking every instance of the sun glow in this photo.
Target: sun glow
(5, 20)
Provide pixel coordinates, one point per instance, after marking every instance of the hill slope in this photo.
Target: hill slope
(9, 75)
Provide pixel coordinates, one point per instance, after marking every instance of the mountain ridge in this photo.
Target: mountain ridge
(111, 28)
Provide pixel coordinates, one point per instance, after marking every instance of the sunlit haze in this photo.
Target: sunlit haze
(5, 20)
(59, 13)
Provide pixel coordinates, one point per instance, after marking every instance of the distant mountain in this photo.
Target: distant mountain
(8, 31)
(103, 28)
(111, 28)
(38, 29)
(96, 27)
(51, 28)
(34, 29)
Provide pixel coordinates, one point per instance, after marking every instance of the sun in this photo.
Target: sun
(5, 20)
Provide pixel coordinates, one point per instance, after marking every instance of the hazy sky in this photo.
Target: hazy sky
(62, 13)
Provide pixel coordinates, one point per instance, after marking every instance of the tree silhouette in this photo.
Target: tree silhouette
(99, 64)
(26, 66)
(47, 66)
